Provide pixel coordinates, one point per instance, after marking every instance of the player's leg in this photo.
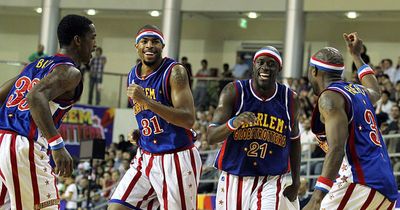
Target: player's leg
(134, 190)
(269, 193)
(175, 178)
(346, 195)
(27, 174)
(235, 192)
(4, 197)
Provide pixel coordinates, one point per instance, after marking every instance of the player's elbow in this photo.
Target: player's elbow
(189, 122)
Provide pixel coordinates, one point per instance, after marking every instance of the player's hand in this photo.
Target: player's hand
(312, 204)
(244, 118)
(136, 93)
(354, 43)
(63, 161)
(291, 192)
(134, 136)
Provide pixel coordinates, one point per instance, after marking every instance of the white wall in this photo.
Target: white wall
(124, 122)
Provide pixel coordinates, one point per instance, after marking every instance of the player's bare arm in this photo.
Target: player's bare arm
(295, 154)
(332, 108)
(369, 81)
(182, 112)
(58, 84)
(5, 89)
(223, 113)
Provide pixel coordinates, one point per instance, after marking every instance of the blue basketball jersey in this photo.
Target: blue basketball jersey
(366, 159)
(14, 113)
(262, 148)
(158, 135)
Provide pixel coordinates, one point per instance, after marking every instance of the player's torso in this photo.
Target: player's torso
(15, 115)
(157, 135)
(365, 149)
(261, 148)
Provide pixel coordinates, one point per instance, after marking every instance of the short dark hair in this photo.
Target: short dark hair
(70, 26)
(204, 61)
(99, 49)
(184, 58)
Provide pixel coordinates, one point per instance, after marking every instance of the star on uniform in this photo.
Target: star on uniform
(331, 196)
(344, 178)
(41, 157)
(45, 169)
(245, 149)
(340, 184)
(270, 152)
(255, 163)
(47, 182)
(344, 167)
(48, 195)
(221, 202)
(189, 173)
(190, 185)
(155, 141)
(359, 127)
(222, 189)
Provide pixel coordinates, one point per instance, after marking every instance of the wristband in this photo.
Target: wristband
(230, 125)
(323, 184)
(364, 70)
(56, 142)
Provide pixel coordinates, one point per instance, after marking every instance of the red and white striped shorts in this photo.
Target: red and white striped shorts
(255, 193)
(345, 195)
(168, 181)
(26, 173)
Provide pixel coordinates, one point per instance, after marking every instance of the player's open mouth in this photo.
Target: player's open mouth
(264, 75)
(149, 54)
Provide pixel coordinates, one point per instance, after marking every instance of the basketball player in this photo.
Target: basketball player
(166, 170)
(344, 121)
(32, 106)
(257, 120)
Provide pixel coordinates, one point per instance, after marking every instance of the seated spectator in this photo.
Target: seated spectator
(241, 70)
(38, 54)
(302, 193)
(71, 193)
(384, 104)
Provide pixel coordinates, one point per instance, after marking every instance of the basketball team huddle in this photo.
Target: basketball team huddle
(256, 121)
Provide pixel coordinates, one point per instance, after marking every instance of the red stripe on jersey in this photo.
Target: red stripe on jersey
(391, 206)
(32, 130)
(165, 189)
(239, 194)
(346, 196)
(278, 190)
(255, 183)
(32, 166)
(149, 165)
(150, 206)
(3, 194)
(134, 180)
(14, 167)
(221, 154)
(354, 156)
(236, 95)
(259, 193)
(151, 191)
(193, 162)
(369, 199)
(381, 203)
(227, 190)
(179, 179)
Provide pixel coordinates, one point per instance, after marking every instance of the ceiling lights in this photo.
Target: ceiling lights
(352, 15)
(91, 12)
(154, 13)
(252, 15)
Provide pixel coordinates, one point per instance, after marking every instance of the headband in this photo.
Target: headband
(325, 66)
(150, 33)
(269, 53)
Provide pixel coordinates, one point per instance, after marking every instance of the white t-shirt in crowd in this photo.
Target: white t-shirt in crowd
(72, 204)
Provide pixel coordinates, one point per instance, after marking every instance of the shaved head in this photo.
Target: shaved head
(329, 55)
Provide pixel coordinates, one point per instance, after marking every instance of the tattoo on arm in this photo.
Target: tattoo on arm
(179, 77)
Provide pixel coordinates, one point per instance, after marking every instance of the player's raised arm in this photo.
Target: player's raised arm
(223, 122)
(5, 89)
(365, 72)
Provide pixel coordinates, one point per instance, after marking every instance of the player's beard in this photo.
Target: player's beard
(149, 63)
